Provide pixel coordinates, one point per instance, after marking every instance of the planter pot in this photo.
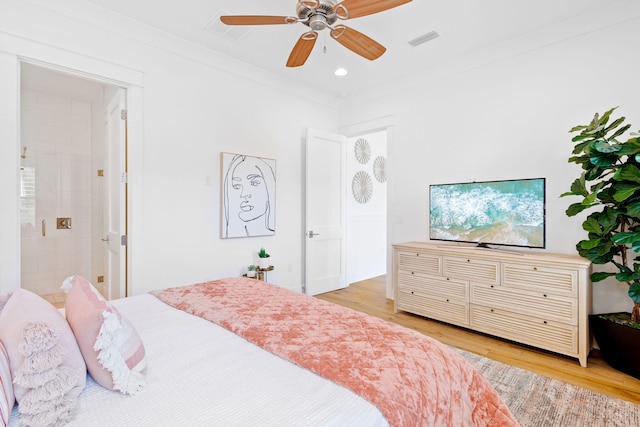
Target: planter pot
(264, 263)
(251, 274)
(619, 344)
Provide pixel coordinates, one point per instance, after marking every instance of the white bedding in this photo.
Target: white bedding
(200, 374)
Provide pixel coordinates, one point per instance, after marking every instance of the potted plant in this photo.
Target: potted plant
(610, 183)
(263, 259)
(251, 271)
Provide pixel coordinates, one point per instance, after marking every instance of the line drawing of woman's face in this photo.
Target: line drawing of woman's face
(248, 181)
(248, 202)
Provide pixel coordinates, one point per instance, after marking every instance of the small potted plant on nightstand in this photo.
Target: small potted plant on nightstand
(263, 259)
(610, 182)
(251, 271)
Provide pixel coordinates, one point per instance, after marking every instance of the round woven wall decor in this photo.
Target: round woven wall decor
(380, 168)
(362, 150)
(362, 187)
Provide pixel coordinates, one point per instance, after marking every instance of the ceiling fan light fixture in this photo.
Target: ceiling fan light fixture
(341, 72)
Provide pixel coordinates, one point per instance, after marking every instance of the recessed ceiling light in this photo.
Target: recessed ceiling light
(340, 72)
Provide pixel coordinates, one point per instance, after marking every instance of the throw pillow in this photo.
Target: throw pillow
(46, 364)
(111, 347)
(6, 387)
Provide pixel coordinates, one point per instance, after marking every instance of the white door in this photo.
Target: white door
(115, 197)
(325, 212)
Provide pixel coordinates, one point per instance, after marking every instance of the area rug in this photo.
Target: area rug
(538, 401)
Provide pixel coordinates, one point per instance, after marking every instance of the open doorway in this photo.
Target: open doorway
(367, 205)
(64, 200)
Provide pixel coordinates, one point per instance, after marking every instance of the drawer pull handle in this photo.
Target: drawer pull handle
(535, 268)
(447, 278)
(545, 295)
(491, 310)
(491, 286)
(447, 299)
(468, 260)
(544, 321)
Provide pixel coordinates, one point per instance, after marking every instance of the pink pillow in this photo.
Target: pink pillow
(46, 364)
(111, 347)
(6, 387)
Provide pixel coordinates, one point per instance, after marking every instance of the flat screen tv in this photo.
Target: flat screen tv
(507, 213)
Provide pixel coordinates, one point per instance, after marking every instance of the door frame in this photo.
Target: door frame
(13, 51)
(361, 128)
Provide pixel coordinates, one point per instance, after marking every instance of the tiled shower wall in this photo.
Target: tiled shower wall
(57, 183)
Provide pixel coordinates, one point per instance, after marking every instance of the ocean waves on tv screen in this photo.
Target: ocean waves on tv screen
(480, 214)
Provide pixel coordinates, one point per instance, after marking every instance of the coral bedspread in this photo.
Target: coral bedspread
(414, 380)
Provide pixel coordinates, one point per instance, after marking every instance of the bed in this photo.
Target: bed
(240, 352)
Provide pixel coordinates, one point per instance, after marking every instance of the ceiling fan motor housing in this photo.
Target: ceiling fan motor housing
(320, 17)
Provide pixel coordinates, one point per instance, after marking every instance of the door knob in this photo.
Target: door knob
(311, 234)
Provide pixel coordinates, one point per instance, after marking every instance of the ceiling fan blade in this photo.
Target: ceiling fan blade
(257, 20)
(302, 49)
(358, 42)
(358, 8)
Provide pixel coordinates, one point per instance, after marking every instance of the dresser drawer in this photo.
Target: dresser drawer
(547, 334)
(425, 285)
(474, 270)
(446, 310)
(422, 262)
(544, 279)
(546, 306)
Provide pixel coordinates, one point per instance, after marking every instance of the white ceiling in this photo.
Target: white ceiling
(465, 27)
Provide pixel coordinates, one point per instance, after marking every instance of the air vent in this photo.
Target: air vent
(231, 32)
(424, 38)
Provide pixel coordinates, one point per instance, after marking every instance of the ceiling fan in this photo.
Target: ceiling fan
(321, 14)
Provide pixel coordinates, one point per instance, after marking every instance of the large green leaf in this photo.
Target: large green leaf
(575, 209)
(593, 173)
(620, 131)
(617, 122)
(577, 128)
(629, 148)
(590, 244)
(604, 147)
(579, 160)
(579, 186)
(600, 276)
(607, 218)
(592, 225)
(633, 209)
(628, 172)
(627, 276)
(634, 292)
(625, 190)
(605, 117)
(603, 160)
(580, 137)
(625, 238)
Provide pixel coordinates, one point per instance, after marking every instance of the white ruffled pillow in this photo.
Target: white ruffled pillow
(111, 347)
(46, 365)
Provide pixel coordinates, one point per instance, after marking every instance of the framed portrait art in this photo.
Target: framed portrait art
(248, 196)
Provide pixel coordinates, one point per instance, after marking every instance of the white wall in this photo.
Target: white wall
(196, 104)
(508, 119)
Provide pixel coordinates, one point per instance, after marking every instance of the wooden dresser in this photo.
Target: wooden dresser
(535, 298)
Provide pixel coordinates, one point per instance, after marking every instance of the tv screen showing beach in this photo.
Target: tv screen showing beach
(497, 212)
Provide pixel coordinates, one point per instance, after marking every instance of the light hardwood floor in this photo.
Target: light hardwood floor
(369, 296)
